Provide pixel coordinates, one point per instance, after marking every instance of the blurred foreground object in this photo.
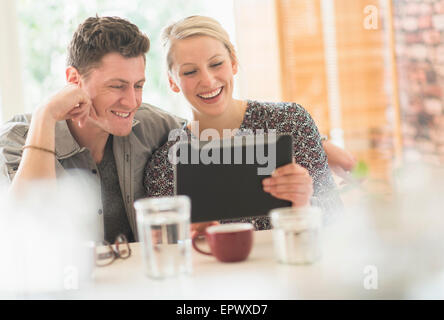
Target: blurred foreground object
(392, 245)
(47, 234)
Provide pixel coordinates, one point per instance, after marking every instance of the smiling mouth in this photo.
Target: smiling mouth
(123, 115)
(211, 94)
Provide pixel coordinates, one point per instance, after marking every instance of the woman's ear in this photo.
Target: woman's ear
(173, 84)
(72, 75)
(234, 63)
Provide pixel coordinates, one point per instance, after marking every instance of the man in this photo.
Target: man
(97, 123)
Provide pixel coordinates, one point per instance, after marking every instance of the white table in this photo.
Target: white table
(337, 275)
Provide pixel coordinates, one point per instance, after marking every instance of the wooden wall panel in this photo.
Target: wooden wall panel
(361, 68)
(302, 57)
(361, 64)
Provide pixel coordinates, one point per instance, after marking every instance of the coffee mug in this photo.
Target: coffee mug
(231, 242)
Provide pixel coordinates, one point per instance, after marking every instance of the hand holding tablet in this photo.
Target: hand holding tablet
(290, 182)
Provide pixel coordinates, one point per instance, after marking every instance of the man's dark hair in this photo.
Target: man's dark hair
(98, 36)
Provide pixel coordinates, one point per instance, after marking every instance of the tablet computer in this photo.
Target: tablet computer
(224, 177)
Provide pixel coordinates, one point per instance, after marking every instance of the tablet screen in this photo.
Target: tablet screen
(224, 177)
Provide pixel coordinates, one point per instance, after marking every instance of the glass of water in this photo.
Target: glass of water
(164, 231)
(296, 234)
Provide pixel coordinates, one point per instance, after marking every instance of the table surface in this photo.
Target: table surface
(337, 275)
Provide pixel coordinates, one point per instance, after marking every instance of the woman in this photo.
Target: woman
(201, 64)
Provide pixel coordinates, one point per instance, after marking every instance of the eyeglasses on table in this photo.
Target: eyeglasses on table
(106, 254)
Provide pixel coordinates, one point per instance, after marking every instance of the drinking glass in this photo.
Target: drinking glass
(296, 234)
(164, 230)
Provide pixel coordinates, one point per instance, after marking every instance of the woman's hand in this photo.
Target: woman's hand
(292, 183)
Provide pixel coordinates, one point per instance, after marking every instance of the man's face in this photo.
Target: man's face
(115, 89)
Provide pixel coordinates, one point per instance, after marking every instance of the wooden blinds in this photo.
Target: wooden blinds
(302, 57)
(366, 115)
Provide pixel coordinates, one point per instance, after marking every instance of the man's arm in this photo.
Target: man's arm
(340, 161)
(36, 163)
(38, 160)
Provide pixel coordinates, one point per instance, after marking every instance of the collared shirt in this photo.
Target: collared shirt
(150, 130)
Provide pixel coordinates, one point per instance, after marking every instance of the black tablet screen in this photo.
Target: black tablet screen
(224, 178)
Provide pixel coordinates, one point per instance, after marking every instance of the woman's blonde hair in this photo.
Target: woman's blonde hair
(195, 26)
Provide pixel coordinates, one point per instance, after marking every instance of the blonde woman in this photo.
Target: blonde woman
(201, 64)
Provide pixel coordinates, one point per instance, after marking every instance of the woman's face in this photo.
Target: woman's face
(203, 70)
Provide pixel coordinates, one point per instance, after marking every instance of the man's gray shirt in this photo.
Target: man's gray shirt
(150, 130)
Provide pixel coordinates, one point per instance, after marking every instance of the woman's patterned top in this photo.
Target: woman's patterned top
(307, 151)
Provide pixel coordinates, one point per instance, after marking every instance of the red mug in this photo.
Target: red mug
(230, 242)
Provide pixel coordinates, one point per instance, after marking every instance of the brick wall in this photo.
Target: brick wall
(419, 46)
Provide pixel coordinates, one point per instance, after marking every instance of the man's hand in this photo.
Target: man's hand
(72, 102)
(197, 228)
(292, 183)
(340, 161)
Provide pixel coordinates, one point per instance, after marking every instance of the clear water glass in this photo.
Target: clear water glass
(297, 234)
(164, 232)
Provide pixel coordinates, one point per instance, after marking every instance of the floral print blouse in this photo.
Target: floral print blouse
(308, 152)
